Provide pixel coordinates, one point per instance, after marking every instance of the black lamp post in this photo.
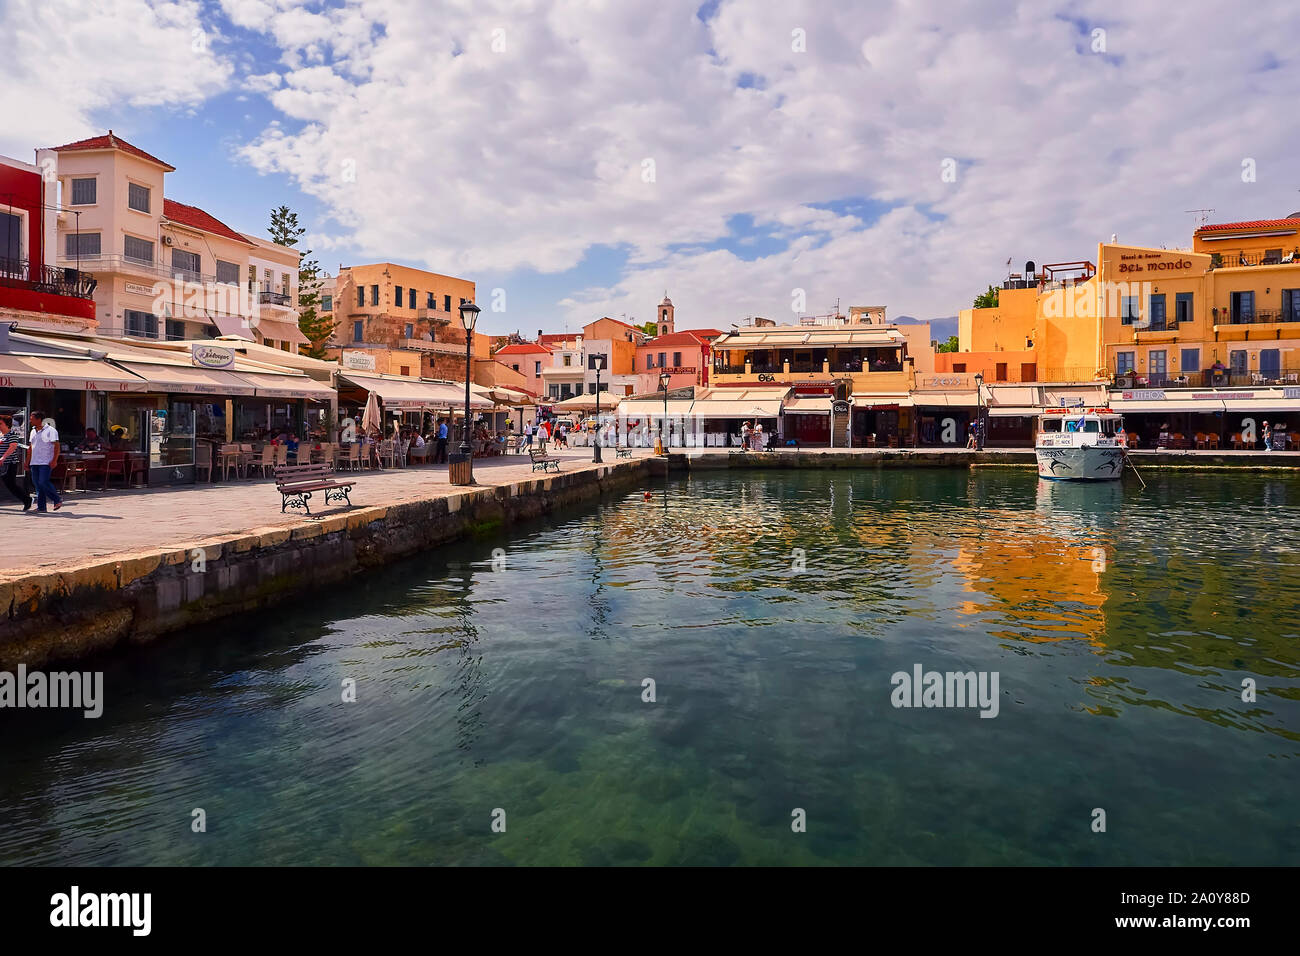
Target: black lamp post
(598, 361)
(979, 411)
(664, 379)
(468, 318)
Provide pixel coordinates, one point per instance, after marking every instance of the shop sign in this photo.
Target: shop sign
(213, 356)
(1144, 395)
(839, 406)
(359, 361)
(942, 381)
(136, 289)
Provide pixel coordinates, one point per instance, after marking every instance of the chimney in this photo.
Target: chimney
(539, 335)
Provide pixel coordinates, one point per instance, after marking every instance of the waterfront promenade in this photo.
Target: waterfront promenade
(103, 524)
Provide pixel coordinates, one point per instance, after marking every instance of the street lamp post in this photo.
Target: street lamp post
(468, 318)
(598, 361)
(979, 411)
(664, 379)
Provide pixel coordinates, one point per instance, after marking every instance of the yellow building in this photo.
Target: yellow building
(386, 304)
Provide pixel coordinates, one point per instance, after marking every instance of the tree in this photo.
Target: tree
(950, 345)
(987, 299)
(318, 327)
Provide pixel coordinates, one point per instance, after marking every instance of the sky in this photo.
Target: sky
(748, 157)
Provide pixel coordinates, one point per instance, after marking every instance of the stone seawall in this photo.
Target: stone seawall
(67, 614)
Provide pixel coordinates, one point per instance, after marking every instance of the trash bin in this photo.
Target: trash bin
(460, 469)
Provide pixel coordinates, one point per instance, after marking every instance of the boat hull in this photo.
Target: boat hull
(1088, 463)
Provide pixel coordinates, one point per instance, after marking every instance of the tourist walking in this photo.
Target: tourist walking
(745, 433)
(1268, 437)
(10, 455)
(528, 435)
(42, 456)
(970, 436)
(758, 436)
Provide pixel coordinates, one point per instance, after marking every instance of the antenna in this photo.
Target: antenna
(1203, 215)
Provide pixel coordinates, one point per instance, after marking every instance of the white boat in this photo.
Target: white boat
(1080, 444)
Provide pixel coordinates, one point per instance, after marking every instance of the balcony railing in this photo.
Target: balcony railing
(273, 298)
(145, 267)
(1255, 317)
(1209, 378)
(1230, 258)
(21, 274)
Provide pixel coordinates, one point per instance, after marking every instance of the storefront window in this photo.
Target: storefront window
(122, 420)
(257, 419)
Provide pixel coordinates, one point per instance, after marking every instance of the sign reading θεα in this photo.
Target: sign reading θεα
(213, 356)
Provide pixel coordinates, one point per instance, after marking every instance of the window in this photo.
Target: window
(141, 250)
(959, 367)
(374, 295)
(677, 359)
(554, 391)
(591, 361)
(537, 368)
(397, 299)
(430, 302)
(86, 244)
(603, 387)
(83, 192)
(141, 324)
(410, 298)
(1237, 362)
(662, 363)
(175, 330)
(1270, 363)
(1128, 309)
(1243, 307)
(568, 360)
(185, 262)
(358, 330)
(361, 296)
(137, 197)
(1124, 362)
(1183, 308)
(1028, 371)
(1157, 367)
(228, 272)
(1000, 372)
(1156, 313)
(410, 330)
(284, 283)
(1291, 305)
(1189, 360)
(406, 369)
(649, 361)
(446, 303)
(327, 303)
(267, 278)
(577, 388)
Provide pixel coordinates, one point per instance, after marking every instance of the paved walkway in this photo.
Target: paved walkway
(98, 524)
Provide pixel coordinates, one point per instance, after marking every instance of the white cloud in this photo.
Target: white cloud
(64, 60)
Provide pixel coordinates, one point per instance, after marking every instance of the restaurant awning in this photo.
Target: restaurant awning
(808, 405)
(844, 337)
(584, 403)
(1134, 407)
(74, 374)
(654, 407)
(739, 402)
(234, 325)
(876, 401)
(945, 399)
(271, 385)
(281, 331)
(188, 379)
(415, 393)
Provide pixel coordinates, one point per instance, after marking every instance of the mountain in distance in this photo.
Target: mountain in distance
(940, 329)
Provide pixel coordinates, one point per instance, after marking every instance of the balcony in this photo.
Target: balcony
(275, 298)
(32, 287)
(1253, 317)
(1235, 258)
(1209, 378)
(139, 267)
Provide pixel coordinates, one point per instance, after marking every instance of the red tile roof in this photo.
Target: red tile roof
(551, 337)
(685, 337)
(112, 142)
(196, 218)
(1252, 224)
(523, 348)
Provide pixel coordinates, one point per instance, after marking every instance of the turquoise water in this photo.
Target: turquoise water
(1121, 624)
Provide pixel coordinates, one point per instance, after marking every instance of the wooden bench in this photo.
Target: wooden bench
(542, 461)
(296, 483)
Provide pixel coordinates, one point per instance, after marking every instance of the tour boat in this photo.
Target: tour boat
(1079, 444)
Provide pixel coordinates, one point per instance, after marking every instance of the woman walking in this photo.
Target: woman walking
(10, 455)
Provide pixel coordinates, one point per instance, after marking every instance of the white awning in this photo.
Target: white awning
(881, 400)
(189, 379)
(945, 399)
(739, 402)
(74, 374)
(271, 385)
(415, 393)
(808, 405)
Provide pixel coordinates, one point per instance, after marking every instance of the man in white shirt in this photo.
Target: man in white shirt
(42, 456)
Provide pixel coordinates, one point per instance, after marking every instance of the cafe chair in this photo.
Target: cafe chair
(202, 460)
(267, 461)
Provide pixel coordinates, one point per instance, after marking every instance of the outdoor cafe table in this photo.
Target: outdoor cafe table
(85, 458)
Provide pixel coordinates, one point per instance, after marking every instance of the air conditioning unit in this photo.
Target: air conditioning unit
(168, 240)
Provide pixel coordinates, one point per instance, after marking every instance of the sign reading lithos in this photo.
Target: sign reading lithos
(213, 356)
(1151, 262)
(359, 361)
